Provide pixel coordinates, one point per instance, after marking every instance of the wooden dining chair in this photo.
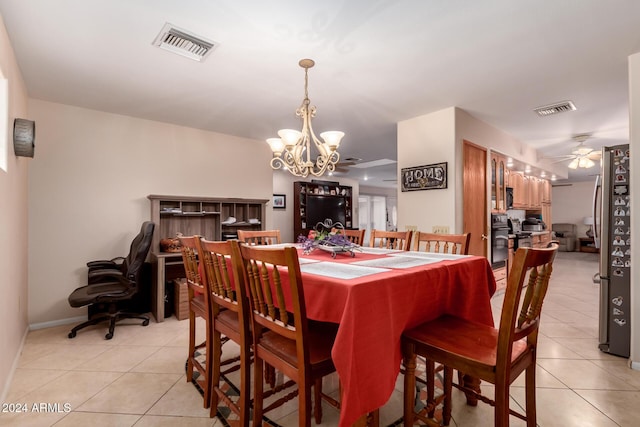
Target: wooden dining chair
(354, 236)
(390, 239)
(286, 340)
(198, 307)
(229, 308)
(441, 243)
(261, 237)
(497, 356)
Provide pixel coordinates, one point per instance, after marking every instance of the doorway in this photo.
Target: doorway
(372, 214)
(475, 197)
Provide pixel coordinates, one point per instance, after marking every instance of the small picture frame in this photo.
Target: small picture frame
(279, 201)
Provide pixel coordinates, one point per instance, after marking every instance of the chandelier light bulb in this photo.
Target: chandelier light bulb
(574, 164)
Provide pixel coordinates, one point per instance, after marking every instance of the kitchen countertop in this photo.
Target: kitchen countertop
(533, 233)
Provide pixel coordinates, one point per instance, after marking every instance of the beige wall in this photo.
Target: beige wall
(571, 203)
(13, 223)
(426, 140)
(89, 185)
(283, 218)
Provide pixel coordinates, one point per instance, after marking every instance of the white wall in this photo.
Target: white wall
(13, 222)
(571, 203)
(89, 185)
(283, 218)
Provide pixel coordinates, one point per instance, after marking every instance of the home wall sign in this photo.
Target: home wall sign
(428, 177)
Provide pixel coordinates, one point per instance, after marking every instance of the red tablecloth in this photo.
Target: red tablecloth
(374, 310)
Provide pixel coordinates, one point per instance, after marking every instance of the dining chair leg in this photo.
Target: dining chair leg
(502, 403)
(213, 363)
(317, 400)
(409, 363)
(192, 345)
(430, 368)
(447, 387)
(304, 406)
(258, 381)
(245, 388)
(208, 348)
(530, 386)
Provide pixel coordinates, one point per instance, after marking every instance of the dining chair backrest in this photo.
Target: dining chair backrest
(220, 274)
(267, 272)
(262, 237)
(390, 239)
(441, 243)
(354, 236)
(189, 248)
(520, 316)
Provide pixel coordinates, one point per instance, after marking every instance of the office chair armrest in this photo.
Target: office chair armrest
(105, 275)
(106, 263)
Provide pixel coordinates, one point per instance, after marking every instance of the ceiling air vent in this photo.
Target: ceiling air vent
(556, 108)
(184, 43)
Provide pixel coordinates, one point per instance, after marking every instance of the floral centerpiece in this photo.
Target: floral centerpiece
(328, 236)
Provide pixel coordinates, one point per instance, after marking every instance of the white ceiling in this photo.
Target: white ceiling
(377, 62)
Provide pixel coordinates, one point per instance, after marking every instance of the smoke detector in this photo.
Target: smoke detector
(559, 107)
(184, 43)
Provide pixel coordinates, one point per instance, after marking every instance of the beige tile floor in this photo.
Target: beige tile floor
(137, 378)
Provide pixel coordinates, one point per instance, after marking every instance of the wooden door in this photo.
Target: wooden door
(475, 197)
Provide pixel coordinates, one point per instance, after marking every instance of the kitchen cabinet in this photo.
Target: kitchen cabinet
(498, 183)
(520, 190)
(500, 274)
(529, 192)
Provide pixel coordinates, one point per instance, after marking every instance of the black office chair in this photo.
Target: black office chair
(111, 282)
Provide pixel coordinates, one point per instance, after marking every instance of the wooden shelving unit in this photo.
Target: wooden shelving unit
(336, 195)
(205, 216)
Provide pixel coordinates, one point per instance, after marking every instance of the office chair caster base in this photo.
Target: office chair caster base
(72, 334)
(108, 336)
(145, 322)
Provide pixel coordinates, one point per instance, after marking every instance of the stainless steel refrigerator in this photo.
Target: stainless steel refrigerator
(612, 234)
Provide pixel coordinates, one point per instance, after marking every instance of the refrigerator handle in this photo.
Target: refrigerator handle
(596, 211)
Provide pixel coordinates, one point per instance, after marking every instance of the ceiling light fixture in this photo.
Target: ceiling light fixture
(581, 162)
(292, 150)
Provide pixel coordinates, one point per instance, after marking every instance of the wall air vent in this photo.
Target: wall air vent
(183, 43)
(559, 107)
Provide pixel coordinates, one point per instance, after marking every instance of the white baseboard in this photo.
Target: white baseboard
(42, 325)
(14, 366)
(635, 365)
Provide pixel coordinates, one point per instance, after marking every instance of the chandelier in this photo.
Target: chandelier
(292, 151)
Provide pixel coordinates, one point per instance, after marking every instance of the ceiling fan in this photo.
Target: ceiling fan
(581, 156)
(343, 165)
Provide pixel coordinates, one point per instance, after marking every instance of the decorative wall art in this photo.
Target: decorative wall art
(428, 177)
(279, 201)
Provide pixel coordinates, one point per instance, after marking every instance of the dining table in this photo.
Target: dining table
(374, 295)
